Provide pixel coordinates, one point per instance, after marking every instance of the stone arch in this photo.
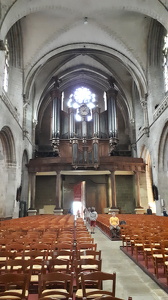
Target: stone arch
(7, 173)
(163, 164)
(8, 145)
(22, 8)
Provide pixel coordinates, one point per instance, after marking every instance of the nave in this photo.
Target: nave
(38, 231)
(131, 280)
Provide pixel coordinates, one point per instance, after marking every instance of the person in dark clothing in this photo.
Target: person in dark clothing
(149, 211)
(165, 213)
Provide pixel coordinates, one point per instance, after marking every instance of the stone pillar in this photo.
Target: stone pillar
(145, 113)
(109, 191)
(138, 208)
(112, 118)
(58, 190)
(33, 136)
(32, 192)
(113, 188)
(133, 146)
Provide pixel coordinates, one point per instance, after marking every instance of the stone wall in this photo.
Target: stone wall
(125, 193)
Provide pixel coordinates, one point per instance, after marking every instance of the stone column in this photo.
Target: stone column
(58, 190)
(33, 137)
(109, 191)
(138, 202)
(145, 113)
(32, 192)
(138, 208)
(133, 146)
(113, 188)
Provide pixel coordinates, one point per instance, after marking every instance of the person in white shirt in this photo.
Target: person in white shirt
(93, 217)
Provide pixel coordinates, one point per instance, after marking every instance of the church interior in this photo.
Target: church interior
(83, 106)
(84, 110)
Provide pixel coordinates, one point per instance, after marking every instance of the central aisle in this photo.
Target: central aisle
(131, 280)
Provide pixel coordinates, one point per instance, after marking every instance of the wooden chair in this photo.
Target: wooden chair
(56, 284)
(88, 254)
(86, 246)
(65, 246)
(63, 254)
(49, 298)
(63, 240)
(84, 240)
(40, 247)
(38, 255)
(85, 266)
(15, 286)
(37, 268)
(157, 257)
(58, 265)
(15, 266)
(104, 297)
(100, 278)
(164, 247)
(4, 257)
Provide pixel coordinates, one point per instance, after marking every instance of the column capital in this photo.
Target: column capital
(55, 93)
(144, 101)
(112, 92)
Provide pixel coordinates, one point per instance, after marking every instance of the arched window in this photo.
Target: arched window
(6, 68)
(165, 62)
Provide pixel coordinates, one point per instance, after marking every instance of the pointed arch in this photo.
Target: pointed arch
(8, 145)
(163, 149)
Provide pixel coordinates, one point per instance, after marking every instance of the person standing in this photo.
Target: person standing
(165, 212)
(114, 225)
(149, 211)
(93, 217)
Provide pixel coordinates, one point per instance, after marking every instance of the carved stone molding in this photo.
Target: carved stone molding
(9, 105)
(161, 108)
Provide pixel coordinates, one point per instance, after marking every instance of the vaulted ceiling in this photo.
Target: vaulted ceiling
(84, 42)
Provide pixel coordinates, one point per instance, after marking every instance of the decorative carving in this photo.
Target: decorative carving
(112, 144)
(55, 145)
(161, 108)
(9, 105)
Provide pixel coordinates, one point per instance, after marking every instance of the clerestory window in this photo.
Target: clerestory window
(165, 62)
(6, 68)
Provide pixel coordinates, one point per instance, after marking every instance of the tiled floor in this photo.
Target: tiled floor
(131, 280)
